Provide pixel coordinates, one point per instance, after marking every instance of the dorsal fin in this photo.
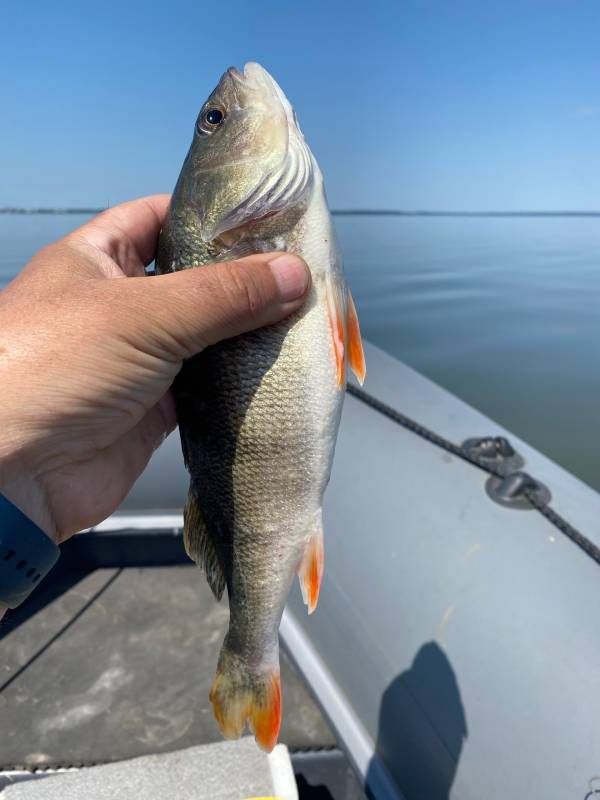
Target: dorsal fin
(200, 545)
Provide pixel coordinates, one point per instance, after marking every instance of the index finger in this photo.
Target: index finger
(128, 233)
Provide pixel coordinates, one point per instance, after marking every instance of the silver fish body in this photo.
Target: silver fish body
(259, 413)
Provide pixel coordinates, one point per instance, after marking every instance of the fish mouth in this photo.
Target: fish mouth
(252, 73)
(256, 78)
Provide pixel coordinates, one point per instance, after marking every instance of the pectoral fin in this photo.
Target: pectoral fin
(336, 327)
(345, 333)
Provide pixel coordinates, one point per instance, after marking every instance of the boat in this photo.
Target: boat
(453, 655)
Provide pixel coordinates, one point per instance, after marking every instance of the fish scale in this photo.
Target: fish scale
(258, 414)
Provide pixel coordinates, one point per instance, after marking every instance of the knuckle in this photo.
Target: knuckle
(243, 288)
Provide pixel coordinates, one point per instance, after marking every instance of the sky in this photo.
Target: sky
(445, 105)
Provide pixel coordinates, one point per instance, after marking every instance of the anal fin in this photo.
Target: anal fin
(311, 568)
(200, 546)
(356, 355)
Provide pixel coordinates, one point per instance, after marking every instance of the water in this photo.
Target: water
(503, 312)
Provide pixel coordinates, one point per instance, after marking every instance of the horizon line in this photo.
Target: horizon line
(340, 212)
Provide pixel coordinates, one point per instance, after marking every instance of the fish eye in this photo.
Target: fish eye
(214, 116)
(209, 120)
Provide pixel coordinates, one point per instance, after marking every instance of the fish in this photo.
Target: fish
(258, 413)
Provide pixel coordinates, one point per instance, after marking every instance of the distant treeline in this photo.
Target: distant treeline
(349, 212)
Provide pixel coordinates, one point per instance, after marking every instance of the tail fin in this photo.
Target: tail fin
(240, 694)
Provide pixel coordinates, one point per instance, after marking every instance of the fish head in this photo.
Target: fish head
(248, 158)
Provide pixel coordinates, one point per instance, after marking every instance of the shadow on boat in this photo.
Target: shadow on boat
(63, 578)
(422, 729)
(39, 639)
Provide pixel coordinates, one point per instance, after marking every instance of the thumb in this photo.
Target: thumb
(184, 312)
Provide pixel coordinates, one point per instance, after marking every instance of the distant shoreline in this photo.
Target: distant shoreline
(342, 212)
(15, 210)
(348, 212)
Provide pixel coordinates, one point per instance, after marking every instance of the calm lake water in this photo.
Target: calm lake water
(503, 312)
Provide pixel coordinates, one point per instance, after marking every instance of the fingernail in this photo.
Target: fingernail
(291, 275)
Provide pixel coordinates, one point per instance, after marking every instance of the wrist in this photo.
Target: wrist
(28, 554)
(24, 491)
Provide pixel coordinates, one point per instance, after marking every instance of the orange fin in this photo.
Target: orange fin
(240, 694)
(356, 355)
(345, 333)
(311, 570)
(336, 326)
(265, 713)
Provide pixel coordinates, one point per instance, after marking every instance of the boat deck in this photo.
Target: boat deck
(110, 663)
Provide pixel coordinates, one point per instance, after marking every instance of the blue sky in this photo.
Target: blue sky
(437, 105)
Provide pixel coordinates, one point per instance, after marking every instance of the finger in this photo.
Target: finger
(127, 233)
(127, 458)
(182, 313)
(105, 481)
(137, 445)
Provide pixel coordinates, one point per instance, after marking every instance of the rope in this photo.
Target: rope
(578, 538)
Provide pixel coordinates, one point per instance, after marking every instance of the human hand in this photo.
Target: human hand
(89, 348)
